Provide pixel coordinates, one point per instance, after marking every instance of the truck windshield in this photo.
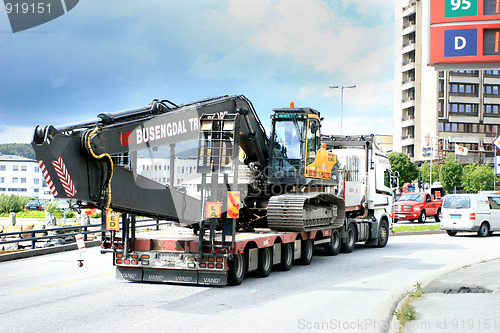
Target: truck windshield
(288, 146)
(456, 202)
(412, 197)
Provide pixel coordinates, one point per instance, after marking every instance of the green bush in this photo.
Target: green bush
(12, 203)
(53, 208)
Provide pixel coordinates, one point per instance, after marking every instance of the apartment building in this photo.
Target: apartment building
(22, 176)
(438, 109)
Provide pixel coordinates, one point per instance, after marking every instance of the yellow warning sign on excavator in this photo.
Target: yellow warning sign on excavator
(213, 210)
(233, 204)
(112, 220)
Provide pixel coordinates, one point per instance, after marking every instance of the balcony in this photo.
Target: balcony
(407, 121)
(408, 84)
(408, 65)
(410, 9)
(409, 28)
(408, 47)
(407, 102)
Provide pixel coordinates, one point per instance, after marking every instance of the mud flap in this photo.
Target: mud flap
(172, 276)
(130, 274)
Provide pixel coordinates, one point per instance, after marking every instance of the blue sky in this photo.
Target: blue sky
(105, 56)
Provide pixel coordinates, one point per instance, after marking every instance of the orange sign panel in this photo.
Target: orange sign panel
(112, 220)
(213, 210)
(233, 204)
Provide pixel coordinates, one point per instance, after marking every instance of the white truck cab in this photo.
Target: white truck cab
(471, 212)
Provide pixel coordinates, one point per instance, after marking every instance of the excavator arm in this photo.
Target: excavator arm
(97, 161)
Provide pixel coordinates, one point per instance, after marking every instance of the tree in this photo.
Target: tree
(425, 172)
(451, 173)
(401, 163)
(478, 178)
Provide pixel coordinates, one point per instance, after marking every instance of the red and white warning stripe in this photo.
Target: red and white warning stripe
(64, 177)
(47, 178)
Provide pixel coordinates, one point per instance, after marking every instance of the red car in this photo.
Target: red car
(416, 206)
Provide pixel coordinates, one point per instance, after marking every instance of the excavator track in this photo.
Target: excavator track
(305, 211)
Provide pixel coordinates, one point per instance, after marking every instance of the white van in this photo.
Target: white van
(471, 212)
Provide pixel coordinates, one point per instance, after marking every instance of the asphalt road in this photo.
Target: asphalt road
(350, 292)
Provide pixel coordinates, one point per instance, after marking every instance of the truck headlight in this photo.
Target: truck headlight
(416, 209)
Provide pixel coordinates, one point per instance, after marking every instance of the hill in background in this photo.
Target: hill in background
(18, 149)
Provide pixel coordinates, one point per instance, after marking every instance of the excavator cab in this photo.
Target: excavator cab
(296, 154)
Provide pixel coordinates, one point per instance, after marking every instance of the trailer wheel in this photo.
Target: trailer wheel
(265, 262)
(333, 247)
(383, 233)
(237, 269)
(451, 232)
(307, 252)
(350, 242)
(286, 256)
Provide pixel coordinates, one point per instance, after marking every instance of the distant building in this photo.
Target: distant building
(22, 176)
(158, 169)
(436, 110)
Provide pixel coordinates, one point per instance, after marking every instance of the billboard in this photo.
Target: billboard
(465, 32)
(451, 11)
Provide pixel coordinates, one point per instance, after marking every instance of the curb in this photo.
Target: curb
(394, 324)
(48, 250)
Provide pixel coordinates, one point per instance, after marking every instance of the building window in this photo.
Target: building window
(15, 168)
(24, 168)
(37, 169)
(463, 109)
(2, 180)
(2, 167)
(15, 180)
(23, 180)
(36, 181)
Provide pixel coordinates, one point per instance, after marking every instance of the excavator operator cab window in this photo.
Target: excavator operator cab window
(313, 140)
(288, 138)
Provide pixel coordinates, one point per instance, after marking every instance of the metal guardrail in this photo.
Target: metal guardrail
(83, 229)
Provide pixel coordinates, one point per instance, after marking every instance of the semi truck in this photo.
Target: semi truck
(241, 201)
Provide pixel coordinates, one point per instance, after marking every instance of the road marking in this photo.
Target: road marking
(56, 284)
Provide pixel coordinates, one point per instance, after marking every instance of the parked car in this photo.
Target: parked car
(471, 212)
(35, 205)
(416, 206)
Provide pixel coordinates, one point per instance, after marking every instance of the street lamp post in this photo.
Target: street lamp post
(432, 154)
(341, 100)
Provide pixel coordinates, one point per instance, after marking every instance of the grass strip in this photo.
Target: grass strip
(421, 227)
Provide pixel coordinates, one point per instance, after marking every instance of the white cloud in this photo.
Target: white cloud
(357, 125)
(313, 34)
(16, 134)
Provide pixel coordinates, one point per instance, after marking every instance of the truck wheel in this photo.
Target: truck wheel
(286, 256)
(265, 262)
(333, 247)
(436, 217)
(307, 252)
(422, 217)
(484, 229)
(383, 234)
(236, 271)
(451, 232)
(350, 242)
